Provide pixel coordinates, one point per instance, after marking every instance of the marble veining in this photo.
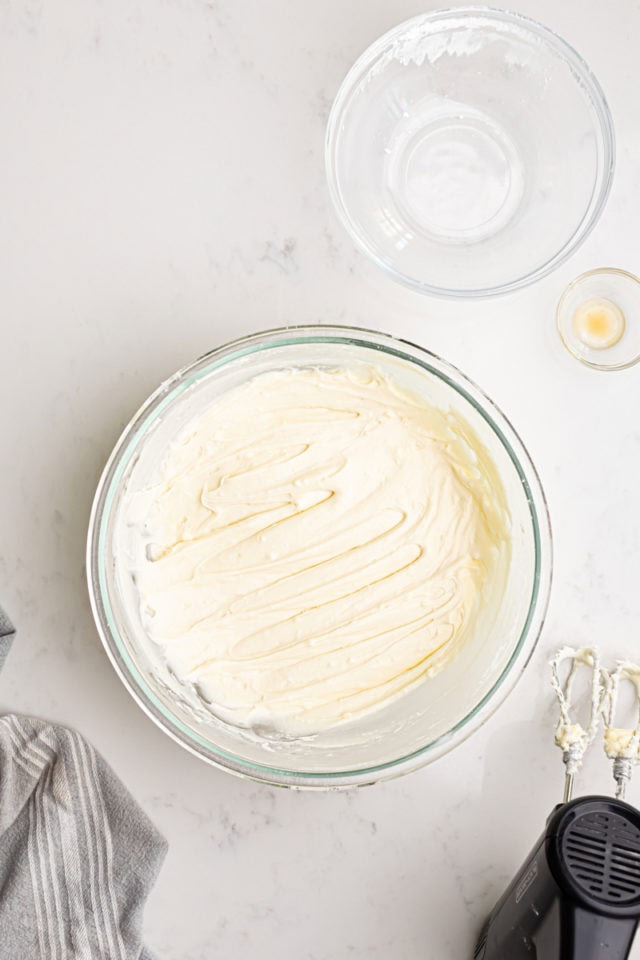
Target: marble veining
(163, 191)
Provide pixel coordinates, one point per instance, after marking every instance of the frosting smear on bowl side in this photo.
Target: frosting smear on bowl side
(317, 542)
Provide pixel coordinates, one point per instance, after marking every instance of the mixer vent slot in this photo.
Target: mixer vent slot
(602, 852)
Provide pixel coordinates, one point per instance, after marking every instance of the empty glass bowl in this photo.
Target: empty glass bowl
(469, 152)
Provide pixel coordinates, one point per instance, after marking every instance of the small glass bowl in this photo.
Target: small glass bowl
(469, 152)
(619, 288)
(431, 718)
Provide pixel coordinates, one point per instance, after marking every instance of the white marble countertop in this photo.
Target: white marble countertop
(161, 191)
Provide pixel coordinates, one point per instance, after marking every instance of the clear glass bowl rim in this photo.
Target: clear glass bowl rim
(589, 83)
(126, 667)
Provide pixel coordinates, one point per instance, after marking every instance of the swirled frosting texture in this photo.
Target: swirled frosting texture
(318, 542)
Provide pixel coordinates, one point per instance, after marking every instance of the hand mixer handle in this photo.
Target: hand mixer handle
(588, 936)
(577, 896)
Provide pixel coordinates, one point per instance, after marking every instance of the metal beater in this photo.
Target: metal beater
(621, 744)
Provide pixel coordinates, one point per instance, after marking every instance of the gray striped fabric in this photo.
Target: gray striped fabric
(77, 855)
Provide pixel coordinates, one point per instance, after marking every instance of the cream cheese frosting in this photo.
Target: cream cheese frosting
(317, 542)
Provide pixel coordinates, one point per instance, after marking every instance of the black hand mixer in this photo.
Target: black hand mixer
(577, 896)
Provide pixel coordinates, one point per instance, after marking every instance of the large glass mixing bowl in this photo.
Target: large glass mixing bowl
(469, 152)
(432, 717)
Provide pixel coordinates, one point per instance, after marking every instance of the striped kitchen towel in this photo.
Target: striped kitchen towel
(77, 855)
